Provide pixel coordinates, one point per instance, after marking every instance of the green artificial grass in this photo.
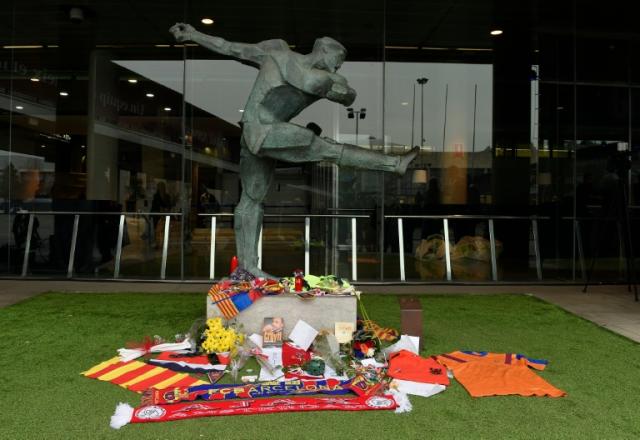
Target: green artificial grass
(47, 341)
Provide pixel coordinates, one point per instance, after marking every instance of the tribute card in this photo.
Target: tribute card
(303, 335)
(272, 331)
(344, 331)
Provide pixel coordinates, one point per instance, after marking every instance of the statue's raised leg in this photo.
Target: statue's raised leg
(255, 174)
(292, 143)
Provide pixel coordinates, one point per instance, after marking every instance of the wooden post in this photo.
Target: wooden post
(411, 317)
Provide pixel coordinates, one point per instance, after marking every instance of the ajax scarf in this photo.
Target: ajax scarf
(125, 414)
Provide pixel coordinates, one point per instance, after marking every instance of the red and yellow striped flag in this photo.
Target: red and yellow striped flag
(138, 376)
(223, 301)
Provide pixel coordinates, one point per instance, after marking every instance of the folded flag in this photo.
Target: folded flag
(138, 376)
(187, 364)
(232, 299)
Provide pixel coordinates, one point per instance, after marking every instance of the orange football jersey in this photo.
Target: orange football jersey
(498, 374)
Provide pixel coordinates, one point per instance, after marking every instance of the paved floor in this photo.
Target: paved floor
(610, 306)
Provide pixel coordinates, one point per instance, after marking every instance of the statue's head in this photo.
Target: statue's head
(329, 54)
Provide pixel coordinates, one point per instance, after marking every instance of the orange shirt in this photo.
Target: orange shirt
(405, 365)
(498, 374)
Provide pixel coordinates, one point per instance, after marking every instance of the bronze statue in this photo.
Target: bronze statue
(287, 83)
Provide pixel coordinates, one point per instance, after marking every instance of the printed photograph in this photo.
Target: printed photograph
(272, 331)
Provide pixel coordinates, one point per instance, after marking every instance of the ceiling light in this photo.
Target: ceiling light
(402, 47)
(405, 103)
(43, 146)
(23, 46)
(83, 146)
(35, 79)
(241, 110)
(19, 107)
(207, 21)
(149, 95)
(167, 109)
(474, 49)
(64, 93)
(496, 32)
(76, 15)
(132, 80)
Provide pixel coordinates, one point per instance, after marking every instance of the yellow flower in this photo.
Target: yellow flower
(220, 339)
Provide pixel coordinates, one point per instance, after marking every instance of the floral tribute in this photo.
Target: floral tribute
(220, 339)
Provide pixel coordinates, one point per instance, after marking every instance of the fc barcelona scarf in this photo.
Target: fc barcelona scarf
(125, 414)
(227, 392)
(138, 376)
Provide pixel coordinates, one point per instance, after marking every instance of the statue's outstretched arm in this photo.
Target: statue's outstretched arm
(249, 52)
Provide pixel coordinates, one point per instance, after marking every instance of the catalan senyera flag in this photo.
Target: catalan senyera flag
(138, 376)
(231, 299)
(224, 303)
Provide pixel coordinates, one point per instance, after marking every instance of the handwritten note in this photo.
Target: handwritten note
(344, 331)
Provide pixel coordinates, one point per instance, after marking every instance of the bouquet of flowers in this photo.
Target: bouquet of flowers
(220, 339)
(365, 344)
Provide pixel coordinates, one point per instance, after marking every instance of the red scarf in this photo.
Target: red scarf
(162, 413)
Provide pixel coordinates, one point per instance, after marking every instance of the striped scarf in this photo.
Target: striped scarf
(138, 376)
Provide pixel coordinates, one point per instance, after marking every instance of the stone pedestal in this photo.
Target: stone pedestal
(320, 312)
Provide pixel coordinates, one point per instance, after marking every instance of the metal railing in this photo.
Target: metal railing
(447, 244)
(307, 238)
(74, 237)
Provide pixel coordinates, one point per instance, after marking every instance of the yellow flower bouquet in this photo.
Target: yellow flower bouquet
(220, 339)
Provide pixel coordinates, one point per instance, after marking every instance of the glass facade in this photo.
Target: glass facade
(119, 147)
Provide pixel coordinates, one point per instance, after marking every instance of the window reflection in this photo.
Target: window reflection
(97, 118)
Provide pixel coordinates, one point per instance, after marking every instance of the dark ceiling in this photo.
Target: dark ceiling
(572, 40)
(360, 24)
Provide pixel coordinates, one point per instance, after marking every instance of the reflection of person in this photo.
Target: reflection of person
(161, 203)
(208, 201)
(431, 200)
(288, 82)
(207, 204)
(433, 193)
(20, 231)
